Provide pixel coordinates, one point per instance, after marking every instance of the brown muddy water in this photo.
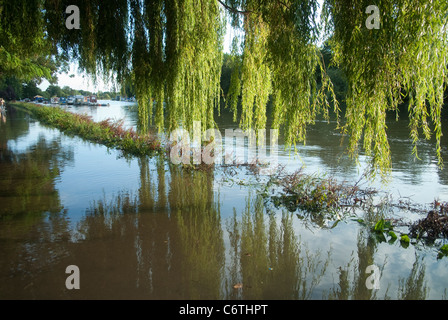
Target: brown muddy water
(142, 228)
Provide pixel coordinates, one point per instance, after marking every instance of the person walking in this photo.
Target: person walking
(2, 111)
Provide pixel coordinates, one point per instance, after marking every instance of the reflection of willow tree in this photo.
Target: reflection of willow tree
(30, 177)
(27, 179)
(12, 130)
(191, 202)
(358, 291)
(28, 196)
(273, 263)
(193, 242)
(166, 242)
(413, 288)
(169, 243)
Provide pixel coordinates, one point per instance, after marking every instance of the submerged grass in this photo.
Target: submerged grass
(106, 132)
(324, 201)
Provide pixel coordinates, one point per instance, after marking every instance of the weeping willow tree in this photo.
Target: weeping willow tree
(177, 57)
(405, 57)
(173, 51)
(24, 51)
(279, 61)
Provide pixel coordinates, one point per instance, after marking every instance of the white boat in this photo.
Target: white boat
(79, 100)
(55, 100)
(70, 100)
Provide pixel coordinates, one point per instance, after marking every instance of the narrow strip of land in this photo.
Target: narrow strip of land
(106, 132)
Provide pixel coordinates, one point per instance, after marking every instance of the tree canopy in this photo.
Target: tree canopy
(24, 49)
(173, 52)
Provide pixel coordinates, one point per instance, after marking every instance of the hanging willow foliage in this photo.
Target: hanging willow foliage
(24, 51)
(177, 57)
(173, 51)
(279, 61)
(255, 74)
(406, 56)
(102, 44)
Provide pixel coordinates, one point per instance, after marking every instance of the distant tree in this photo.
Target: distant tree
(104, 96)
(30, 90)
(46, 95)
(335, 73)
(54, 90)
(8, 93)
(226, 73)
(85, 93)
(10, 88)
(67, 91)
(127, 87)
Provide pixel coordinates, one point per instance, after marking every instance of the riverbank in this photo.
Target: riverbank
(111, 134)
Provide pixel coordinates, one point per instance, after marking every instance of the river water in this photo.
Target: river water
(141, 228)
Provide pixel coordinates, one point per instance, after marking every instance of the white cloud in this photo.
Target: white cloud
(77, 81)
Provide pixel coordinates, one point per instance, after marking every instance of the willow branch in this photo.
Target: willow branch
(234, 10)
(284, 4)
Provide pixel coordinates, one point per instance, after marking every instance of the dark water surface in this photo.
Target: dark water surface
(144, 229)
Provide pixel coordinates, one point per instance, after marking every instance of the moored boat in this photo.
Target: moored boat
(79, 100)
(54, 100)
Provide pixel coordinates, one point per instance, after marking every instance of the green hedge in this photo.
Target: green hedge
(108, 133)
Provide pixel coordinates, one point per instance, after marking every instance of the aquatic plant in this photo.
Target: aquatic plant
(324, 202)
(384, 228)
(321, 200)
(443, 251)
(316, 193)
(432, 227)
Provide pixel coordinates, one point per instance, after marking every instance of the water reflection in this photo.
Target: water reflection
(2, 114)
(172, 244)
(32, 220)
(352, 277)
(176, 249)
(27, 179)
(176, 236)
(168, 241)
(267, 258)
(163, 243)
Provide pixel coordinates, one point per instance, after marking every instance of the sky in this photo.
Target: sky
(79, 81)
